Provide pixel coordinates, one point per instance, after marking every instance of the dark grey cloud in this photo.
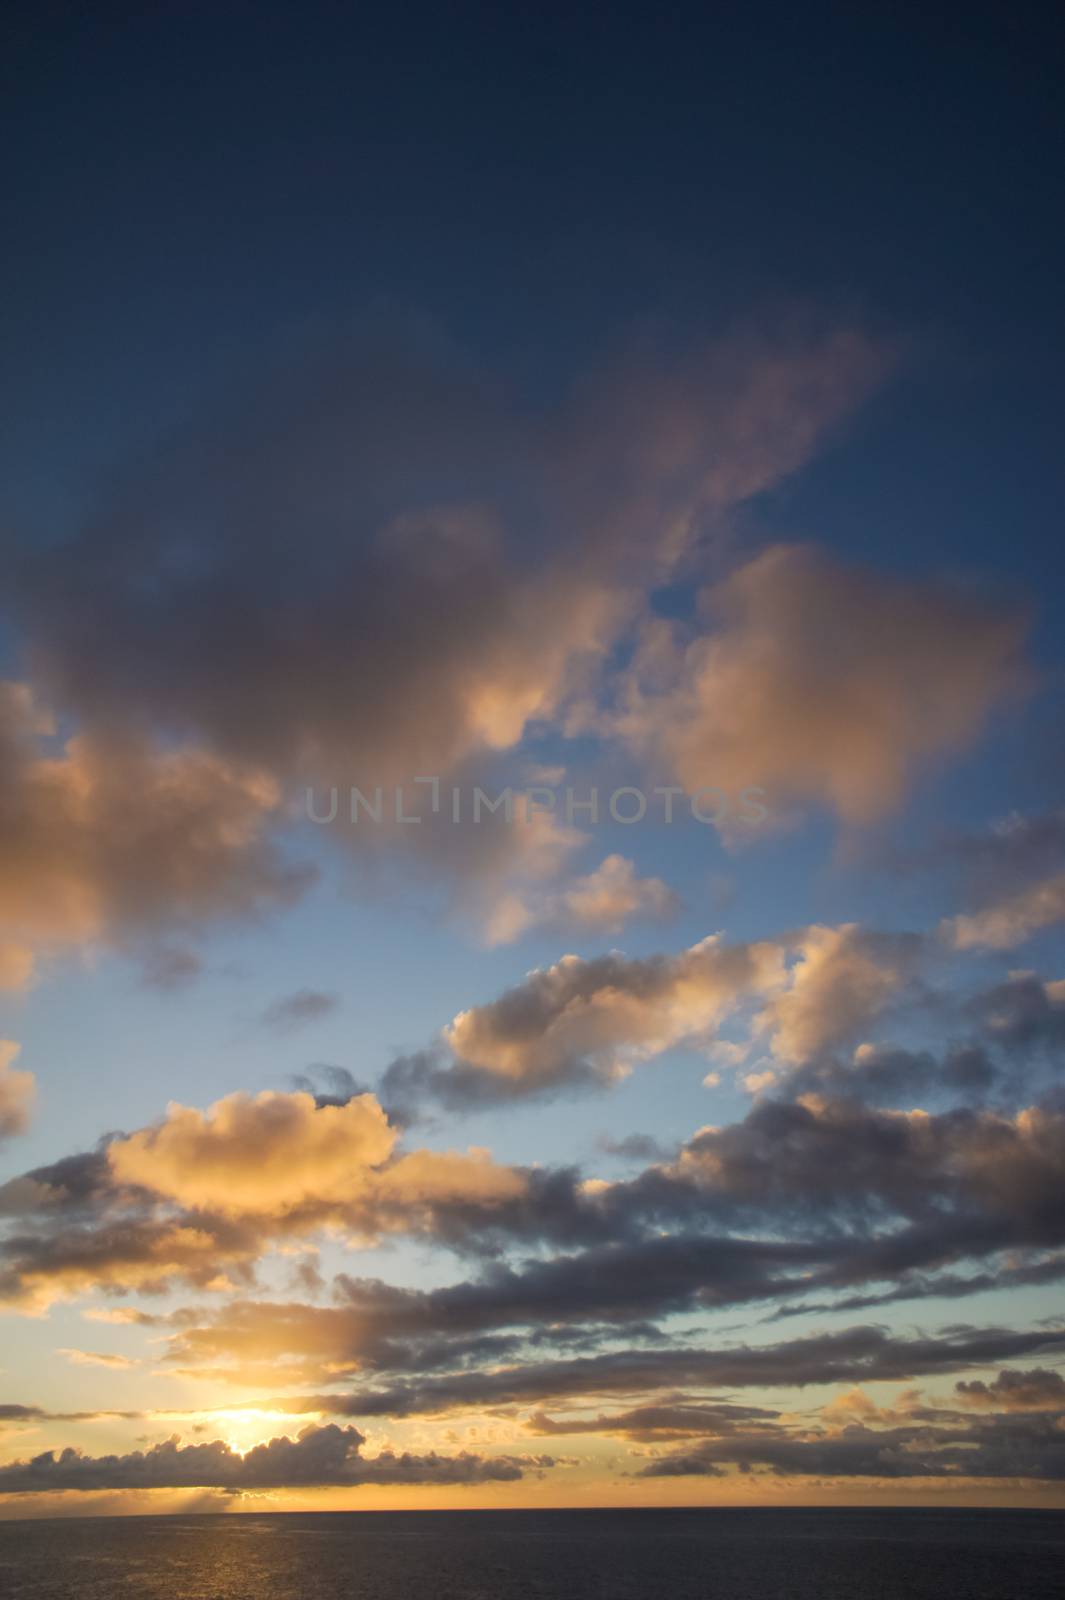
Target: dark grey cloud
(636, 1147)
(859, 1354)
(318, 1457)
(1031, 1448)
(1022, 1014)
(608, 1292)
(1007, 1273)
(73, 1184)
(882, 1075)
(330, 1085)
(1038, 1389)
(675, 1418)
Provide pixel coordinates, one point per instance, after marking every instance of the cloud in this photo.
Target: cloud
(1009, 879)
(1015, 850)
(794, 1200)
(377, 1326)
(340, 1086)
(168, 967)
(858, 1354)
(120, 1316)
(999, 1447)
(883, 1074)
(582, 1020)
(269, 1153)
(273, 1155)
(842, 979)
(17, 967)
(299, 1009)
(415, 635)
(116, 1251)
(17, 1091)
(1006, 1052)
(820, 1152)
(584, 1023)
(202, 1196)
(826, 1186)
(635, 1147)
(603, 901)
(819, 1193)
(1037, 1389)
(1011, 921)
(652, 1424)
(111, 836)
(318, 1457)
(94, 1358)
(798, 684)
(1022, 1014)
(400, 468)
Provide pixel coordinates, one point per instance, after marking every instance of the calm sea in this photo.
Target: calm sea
(543, 1555)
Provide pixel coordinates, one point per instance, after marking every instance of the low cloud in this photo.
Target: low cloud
(999, 1447)
(1038, 1389)
(653, 1424)
(860, 1354)
(317, 1458)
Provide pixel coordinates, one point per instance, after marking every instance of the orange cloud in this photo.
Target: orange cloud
(288, 1162)
(265, 1154)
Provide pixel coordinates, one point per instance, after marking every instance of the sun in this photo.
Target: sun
(242, 1428)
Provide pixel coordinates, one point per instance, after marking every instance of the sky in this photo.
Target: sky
(532, 847)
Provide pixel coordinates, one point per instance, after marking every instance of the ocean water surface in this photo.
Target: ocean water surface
(718, 1554)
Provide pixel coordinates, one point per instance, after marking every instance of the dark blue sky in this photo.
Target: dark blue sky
(185, 181)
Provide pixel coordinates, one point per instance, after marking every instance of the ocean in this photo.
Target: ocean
(718, 1554)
